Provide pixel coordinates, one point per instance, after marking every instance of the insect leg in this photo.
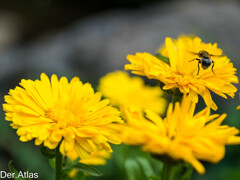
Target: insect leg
(195, 59)
(212, 67)
(199, 62)
(198, 67)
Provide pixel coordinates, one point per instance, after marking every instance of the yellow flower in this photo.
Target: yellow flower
(122, 89)
(54, 111)
(97, 157)
(183, 74)
(181, 134)
(73, 173)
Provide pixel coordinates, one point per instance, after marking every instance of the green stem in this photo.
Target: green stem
(58, 164)
(168, 171)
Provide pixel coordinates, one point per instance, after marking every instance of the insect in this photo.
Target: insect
(204, 60)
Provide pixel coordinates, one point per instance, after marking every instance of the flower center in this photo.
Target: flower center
(62, 117)
(179, 73)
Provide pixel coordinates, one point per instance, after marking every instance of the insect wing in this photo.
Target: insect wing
(192, 52)
(212, 55)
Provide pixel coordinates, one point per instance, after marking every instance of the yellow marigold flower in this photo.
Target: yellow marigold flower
(182, 74)
(97, 157)
(181, 134)
(54, 111)
(122, 89)
(73, 173)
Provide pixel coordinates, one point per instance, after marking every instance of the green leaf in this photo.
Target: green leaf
(133, 170)
(85, 168)
(145, 166)
(13, 170)
(154, 178)
(188, 172)
(162, 58)
(48, 153)
(52, 163)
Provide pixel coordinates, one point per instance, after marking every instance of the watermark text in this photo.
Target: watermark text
(20, 174)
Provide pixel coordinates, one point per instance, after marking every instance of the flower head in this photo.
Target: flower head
(97, 156)
(182, 73)
(122, 89)
(57, 111)
(181, 135)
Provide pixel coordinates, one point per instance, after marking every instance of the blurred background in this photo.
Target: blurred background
(91, 38)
